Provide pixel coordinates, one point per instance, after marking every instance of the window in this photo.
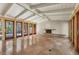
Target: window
(9, 29)
(30, 28)
(0, 28)
(19, 29)
(25, 28)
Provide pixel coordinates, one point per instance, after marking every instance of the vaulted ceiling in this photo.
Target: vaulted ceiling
(37, 12)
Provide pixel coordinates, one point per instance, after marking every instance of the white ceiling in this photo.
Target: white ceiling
(25, 15)
(14, 10)
(37, 11)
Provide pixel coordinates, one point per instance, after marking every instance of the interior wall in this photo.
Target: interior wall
(60, 27)
(65, 29)
(40, 28)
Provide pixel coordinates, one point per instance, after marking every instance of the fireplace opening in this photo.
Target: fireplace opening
(49, 31)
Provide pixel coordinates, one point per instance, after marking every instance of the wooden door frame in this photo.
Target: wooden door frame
(3, 37)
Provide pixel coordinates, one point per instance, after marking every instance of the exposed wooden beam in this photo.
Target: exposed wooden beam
(43, 14)
(22, 40)
(58, 10)
(25, 6)
(42, 5)
(59, 14)
(14, 40)
(3, 37)
(61, 20)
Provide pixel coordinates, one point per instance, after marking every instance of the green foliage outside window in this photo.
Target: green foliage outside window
(0, 28)
(9, 29)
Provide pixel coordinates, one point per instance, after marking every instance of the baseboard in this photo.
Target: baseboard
(60, 35)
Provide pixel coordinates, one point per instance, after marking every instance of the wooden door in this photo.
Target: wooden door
(72, 31)
(77, 17)
(2, 37)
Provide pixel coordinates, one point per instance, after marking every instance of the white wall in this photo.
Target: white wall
(61, 27)
(65, 28)
(40, 28)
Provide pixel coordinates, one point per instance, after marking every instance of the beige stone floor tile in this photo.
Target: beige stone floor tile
(50, 45)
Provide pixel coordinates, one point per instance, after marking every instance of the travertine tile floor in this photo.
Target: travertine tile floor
(51, 45)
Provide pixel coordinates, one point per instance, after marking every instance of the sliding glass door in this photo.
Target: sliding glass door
(9, 36)
(25, 35)
(19, 35)
(0, 37)
(30, 33)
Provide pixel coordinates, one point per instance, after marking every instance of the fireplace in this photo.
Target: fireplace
(49, 31)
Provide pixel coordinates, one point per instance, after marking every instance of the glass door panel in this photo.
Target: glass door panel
(25, 34)
(0, 37)
(25, 29)
(30, 34)
(18, 35)
(34, 34)
(9, 36)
